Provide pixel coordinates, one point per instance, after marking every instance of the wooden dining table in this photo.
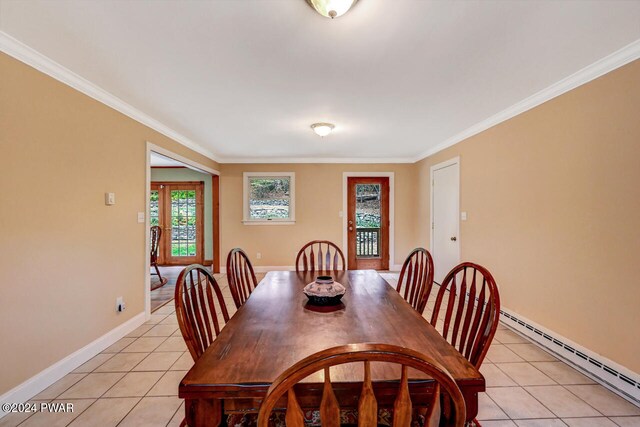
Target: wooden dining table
(277, 327)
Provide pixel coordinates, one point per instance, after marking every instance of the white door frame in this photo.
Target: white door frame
(147, 234)
(450, 162)
(345, 237)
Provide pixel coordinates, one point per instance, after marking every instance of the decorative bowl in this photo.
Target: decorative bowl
(324, 291)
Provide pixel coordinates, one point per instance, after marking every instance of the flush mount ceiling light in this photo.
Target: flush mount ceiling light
(322, 129)
(331, 8)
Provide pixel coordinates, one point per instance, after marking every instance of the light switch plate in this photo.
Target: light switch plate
(109, 199)
(463, 216)
(140, 217)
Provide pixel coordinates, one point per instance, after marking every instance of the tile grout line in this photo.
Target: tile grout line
(129, 411)
(125, 374)
(580, 399)
(549, 409)
(528, 363)
(175, 413)
(556, 384)
(587, 403)
(495, 403)
(521, 386)
(562, 385)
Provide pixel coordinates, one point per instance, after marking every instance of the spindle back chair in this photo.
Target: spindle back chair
(468, 305)
(416, 279)
(444, 387)
(200, 308)
(155, 235)
(241, 277)
(320, 255)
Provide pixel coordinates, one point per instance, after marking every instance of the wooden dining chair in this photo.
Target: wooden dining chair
(320, 255)
(156, 234)
(468, 305)
(416, 279)
(241, 277)
(200, 308)
(444, 387)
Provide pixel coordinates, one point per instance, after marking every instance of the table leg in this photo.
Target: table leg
(203, 412)
(471, 401)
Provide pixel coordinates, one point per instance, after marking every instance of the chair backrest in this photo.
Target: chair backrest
(320, 255)
(468, 304)
(367, 404)
(156, 233)
(241, 277)
(416, 279)
(200, 308)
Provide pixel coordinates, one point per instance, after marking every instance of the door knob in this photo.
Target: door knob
(350, 228)
(453, 239)
(350, 222)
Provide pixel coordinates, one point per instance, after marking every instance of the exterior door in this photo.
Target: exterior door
(368, 223)
(445, 244)
(178, 208)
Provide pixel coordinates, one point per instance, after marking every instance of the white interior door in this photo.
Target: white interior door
(445, 239)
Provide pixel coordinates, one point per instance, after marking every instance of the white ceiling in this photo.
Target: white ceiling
(244, 79)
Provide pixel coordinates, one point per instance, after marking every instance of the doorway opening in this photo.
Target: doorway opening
(183, 210)
(368, 225)
(178, 209)
(445, 217)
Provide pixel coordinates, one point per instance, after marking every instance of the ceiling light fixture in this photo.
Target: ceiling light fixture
(322, 129)
(332, 8)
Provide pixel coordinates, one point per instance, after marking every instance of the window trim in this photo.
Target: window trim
(246, 220)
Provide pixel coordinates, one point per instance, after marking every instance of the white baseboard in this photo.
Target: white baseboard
(53, 373)
(610, 374)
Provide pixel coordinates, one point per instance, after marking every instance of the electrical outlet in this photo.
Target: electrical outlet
(120, 304)
(259, 255)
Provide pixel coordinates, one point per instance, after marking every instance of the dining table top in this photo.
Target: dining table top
(276, 328)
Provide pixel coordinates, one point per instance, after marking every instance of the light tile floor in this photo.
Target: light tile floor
(135, 383)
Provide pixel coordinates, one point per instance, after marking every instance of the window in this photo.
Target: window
(269, 198)
(154, 211)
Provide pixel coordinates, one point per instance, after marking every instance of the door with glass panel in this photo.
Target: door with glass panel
(368, 223)
(177, 207)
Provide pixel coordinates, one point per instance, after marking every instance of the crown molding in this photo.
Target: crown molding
(46, 65)
(617, 59)
(351, 160)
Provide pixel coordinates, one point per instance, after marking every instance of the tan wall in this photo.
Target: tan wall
(318, 202)
(553, 202)
(65, 255)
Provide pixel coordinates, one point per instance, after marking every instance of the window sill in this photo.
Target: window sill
(256, 222)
